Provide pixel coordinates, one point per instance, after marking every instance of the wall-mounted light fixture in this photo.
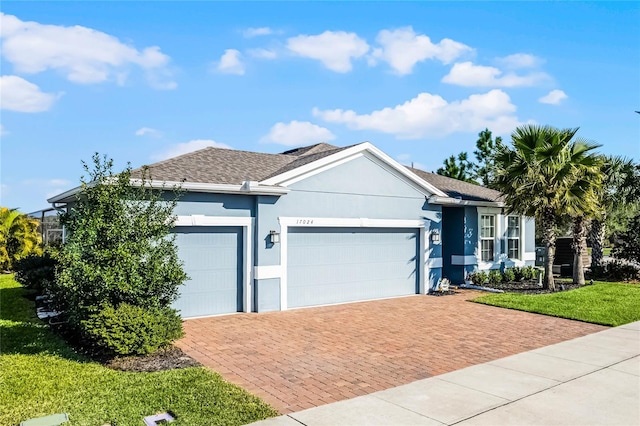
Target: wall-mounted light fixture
(274, 237)
(435, 236)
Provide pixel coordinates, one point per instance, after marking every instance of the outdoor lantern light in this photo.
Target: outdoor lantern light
(435, 236)
(274, 237)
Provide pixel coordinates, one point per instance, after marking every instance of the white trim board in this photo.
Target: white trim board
(267, 272)
(363, 222)
(323, 222)
(247, 239)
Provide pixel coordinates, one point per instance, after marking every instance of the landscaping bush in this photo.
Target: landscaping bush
(518, 273)
(479, 278)
(508, 275)
(36, 272)
(615, 270)
(495, 277)
(132, 330)
(528, 273)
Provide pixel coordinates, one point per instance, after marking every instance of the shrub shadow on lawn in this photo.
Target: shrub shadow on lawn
(23, 333)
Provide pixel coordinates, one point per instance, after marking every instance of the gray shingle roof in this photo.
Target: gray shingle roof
(457, 188)
(230, 166)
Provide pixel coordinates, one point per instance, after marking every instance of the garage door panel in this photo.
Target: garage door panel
(335, 265)
(212, 259)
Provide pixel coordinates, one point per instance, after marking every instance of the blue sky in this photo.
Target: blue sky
(143, 81)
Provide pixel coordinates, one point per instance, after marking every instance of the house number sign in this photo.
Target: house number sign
(304, 222)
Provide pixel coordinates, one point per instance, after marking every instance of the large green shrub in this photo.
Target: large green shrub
(119, 247)
(36, 272)
(132, 330)
(627, 245)
(615, 270)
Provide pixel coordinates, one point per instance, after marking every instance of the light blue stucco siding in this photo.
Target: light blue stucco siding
(336, 265)
(360, 188)
(212, 259)
(230, 205)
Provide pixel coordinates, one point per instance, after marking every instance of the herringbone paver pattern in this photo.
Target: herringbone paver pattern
(308, 357)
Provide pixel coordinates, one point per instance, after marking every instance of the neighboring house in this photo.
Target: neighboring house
(322, 225)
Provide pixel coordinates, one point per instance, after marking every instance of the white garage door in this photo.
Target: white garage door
(212, 258)
(336, 265)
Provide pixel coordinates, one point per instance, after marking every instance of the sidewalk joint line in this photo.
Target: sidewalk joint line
(543, 390)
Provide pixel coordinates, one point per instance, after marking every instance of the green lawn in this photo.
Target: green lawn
(41, 375)
(602, 303)
(606, 251)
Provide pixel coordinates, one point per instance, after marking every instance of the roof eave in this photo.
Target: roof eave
(448, 201)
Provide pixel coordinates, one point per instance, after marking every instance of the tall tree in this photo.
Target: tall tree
(620, 190)
(539, 176)
(582, 201)
(486, 150)
(458, 168)
(119, 247)
(19, 237)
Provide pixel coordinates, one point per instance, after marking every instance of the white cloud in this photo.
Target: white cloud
(231, 62)
(298, 133)
(148, 131)
(520, 60)
(184, 148)
(83, 55)
(334, 49)
(402, 49)
(429, 115)
(254, 32)
(262, 53)
(3, 131)
(554, 97)
(17, 94)
(470, 75)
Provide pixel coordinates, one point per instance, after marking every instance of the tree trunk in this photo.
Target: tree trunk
(596, 237)
(579, 237)
(549, 238)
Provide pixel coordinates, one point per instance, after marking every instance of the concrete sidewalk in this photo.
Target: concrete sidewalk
(591, 380)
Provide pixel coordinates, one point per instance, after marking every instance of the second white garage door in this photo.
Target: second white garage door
(337, 265)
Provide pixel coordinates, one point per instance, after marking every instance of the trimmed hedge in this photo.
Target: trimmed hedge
(132, 330)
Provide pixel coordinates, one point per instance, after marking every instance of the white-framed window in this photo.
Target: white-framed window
(487, 237)
(513, 237)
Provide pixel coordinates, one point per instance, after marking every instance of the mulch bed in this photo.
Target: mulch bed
(531, 287)
(442, 293)
(169, 358)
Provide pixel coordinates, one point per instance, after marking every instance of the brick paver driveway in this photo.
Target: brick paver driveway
(307, 357)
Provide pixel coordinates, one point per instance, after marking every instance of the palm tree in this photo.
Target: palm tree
(619, 190)
(582, 201)
(19, 236)
(542, 175)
